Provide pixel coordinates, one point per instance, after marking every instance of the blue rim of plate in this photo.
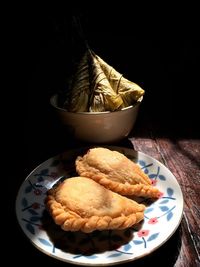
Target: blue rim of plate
(100, 248)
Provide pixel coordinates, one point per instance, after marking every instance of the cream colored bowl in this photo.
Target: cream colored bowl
(98, 127)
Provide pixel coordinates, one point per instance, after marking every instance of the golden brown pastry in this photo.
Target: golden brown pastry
(116, 172)
(80, 203)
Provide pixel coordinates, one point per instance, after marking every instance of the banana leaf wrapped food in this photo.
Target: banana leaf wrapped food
(97, 87)
(103, 97)
(79, 88)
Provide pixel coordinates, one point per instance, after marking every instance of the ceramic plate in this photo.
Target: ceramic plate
(162, 217)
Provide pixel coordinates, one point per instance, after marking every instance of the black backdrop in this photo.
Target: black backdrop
(162, 58)
(164, 64)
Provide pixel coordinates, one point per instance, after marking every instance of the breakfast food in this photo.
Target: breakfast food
(97, 87)
(116, 172)
(81, 204)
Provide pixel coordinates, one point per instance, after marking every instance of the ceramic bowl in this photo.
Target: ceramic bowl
(97, 127)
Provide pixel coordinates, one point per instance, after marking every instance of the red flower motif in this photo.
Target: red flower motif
(35, 206)
(143, 233)
(37, 192)
(154, 182)
(160, 194)
(153, 220)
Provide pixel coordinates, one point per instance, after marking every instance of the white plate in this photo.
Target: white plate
(162, 217)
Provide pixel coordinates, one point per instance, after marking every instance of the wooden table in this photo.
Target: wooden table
(182, 157)
(178, 152)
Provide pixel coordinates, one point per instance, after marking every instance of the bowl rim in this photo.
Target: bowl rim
(93, 113)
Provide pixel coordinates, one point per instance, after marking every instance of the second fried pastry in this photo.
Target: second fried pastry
(116, 172)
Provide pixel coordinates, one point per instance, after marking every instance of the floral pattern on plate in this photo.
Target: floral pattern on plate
(162, 217)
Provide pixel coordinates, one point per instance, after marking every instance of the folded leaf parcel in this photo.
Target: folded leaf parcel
(96, 86)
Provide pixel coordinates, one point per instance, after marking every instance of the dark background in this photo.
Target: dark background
(162, 58)
(160, 53)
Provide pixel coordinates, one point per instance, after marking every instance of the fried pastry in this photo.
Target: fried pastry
(116, 172)
(81, 204)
